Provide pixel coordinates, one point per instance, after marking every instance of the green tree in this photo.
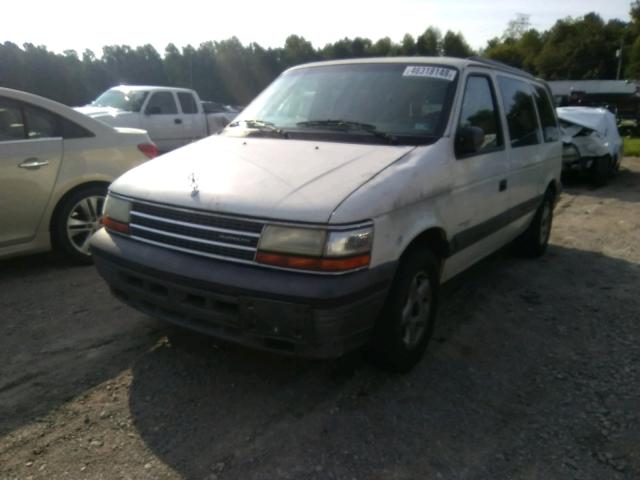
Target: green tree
(454, 45)
(429, 43)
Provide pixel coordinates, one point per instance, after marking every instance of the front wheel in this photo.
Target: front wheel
(76, 219)
(407, 318)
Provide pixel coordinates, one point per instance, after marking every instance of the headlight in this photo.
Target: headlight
(297, 241)
(117, 209)
(315, 249)
(344, 244)
(116, 214)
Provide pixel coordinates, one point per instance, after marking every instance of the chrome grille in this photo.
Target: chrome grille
(196, 232)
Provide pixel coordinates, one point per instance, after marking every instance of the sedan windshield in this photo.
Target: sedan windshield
(370, 102)
(129, 101)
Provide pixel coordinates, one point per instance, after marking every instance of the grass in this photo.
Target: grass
(631, 147)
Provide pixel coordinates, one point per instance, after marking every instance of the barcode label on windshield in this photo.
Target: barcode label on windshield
(432, 72)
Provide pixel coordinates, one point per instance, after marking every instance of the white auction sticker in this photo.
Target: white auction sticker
(443, 73)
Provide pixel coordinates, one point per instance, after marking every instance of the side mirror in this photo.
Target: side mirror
(468, 140)
(153, 110)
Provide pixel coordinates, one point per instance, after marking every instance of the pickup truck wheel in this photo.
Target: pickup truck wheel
(600, 170)
(407, 318)
(76, 219)
(533, 242)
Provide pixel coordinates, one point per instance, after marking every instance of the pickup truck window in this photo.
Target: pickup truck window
(187, 103)
(162, 103)
(520, 111)
(128, 101)
(409, 102)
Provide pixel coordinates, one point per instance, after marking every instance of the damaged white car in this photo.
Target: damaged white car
(591, 142)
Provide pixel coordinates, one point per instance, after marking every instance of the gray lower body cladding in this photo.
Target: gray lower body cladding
(320, 316)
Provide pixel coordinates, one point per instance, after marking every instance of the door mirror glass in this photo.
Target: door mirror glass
(469, 140)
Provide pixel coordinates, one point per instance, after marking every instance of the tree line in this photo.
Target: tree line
(230, 72)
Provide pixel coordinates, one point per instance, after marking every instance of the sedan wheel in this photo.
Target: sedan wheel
(83, 221)
(76, 219)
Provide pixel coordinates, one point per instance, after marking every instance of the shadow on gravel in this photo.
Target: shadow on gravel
(532, 373)
(61, 333)
(625, 185)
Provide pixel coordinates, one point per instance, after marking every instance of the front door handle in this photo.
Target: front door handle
(177, 121)
(33, 163)
(503, 185)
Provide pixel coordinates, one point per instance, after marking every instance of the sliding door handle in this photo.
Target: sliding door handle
(503, 185)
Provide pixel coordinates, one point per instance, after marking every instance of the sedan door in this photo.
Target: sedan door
(30, 157)
(163, 122)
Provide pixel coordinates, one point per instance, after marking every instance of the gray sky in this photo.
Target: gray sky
(73, 24)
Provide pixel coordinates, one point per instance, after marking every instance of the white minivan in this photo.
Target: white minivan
(326, 216)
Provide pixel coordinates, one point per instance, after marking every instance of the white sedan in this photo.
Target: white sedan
(55, 167)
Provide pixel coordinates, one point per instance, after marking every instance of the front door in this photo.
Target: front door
(162, 121)
(30, 156)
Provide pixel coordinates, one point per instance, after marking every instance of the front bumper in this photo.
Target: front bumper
(310, 315)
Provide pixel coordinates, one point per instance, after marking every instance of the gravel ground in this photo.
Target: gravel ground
(533, 373)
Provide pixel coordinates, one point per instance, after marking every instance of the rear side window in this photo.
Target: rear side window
(520, 112)
(162, 103)
(187, 103)
(19, 121)
(41, 124)
(479, 110)
(73, 130)
(550, 131)
(11, 122)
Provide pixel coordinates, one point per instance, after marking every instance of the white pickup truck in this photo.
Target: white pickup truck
(173, 117)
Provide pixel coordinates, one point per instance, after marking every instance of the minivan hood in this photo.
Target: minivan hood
(260, 177)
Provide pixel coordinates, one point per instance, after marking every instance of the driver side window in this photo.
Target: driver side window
(162, 103)
(479, 110)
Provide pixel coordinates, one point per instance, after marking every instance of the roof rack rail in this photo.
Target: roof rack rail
(501, 66)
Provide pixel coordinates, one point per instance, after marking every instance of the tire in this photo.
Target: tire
(406, 322)
(534, 241)
(615, 166)
(600, 170)
(76, 219)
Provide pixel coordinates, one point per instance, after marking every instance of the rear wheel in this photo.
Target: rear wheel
(76, 219)
(407, 318)
(533, 242)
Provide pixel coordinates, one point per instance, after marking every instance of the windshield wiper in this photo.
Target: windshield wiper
(262, 125)
(350, 125)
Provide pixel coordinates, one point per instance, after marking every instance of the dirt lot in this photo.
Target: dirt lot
(534, 373)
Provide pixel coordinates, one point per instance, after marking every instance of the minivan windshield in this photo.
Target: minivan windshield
(363, 101)
(129, 101)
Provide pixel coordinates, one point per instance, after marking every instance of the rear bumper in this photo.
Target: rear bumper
(289, 312)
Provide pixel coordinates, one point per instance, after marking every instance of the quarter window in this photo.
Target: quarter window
(41, 124)
(520, 111)
(162, 103)
(479, 110)
(550, 130)
(11, 122)
(187, 103)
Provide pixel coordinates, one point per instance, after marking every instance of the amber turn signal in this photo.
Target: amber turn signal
(114, 225)
(313, 263)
